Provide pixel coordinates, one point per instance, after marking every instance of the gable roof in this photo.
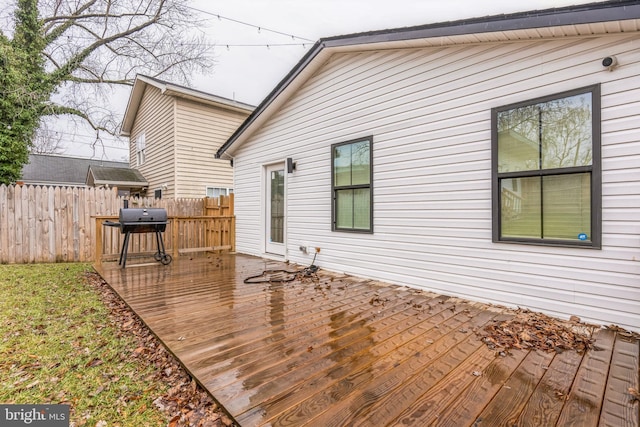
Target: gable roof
(44, 169)
(115, 176)
(170, 89)
(587, 19)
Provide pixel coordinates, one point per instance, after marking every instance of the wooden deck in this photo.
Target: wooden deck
(342, 351)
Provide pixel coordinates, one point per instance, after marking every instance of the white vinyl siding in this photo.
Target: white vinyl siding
(428, 111)
(200, 131)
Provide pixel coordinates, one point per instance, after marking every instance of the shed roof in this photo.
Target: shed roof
(171, 89)
(45, 169)
(114, 176)
(586, 19)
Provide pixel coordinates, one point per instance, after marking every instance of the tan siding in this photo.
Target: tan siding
(429, 113)
(201, 130)
(155, 119)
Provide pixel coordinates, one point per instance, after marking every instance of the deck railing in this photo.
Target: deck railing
(183, 235)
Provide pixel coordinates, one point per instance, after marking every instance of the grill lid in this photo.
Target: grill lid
(143, 215)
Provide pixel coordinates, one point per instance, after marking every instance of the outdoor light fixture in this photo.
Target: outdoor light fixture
(609, 62)
(291, 166)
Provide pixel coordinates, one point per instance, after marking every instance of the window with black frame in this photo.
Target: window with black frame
(351, 166)
(546, 170)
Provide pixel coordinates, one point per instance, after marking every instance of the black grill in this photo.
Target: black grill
(145, 220)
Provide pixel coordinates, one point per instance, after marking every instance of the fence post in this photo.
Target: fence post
(174, 237)
(98, 248)
(232, 232)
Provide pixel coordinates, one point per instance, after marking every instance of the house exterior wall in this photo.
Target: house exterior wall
(200, 131)
(429, 112)
(155, 119)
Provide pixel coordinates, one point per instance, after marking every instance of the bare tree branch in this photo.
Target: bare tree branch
(47, 141)
(93, 46)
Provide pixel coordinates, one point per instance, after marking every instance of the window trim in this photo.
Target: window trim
(334, 227)
(595, 169)
(141, 146)
(227, 190)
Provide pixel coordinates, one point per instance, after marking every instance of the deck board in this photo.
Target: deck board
(585, 398)
(335, 350)
(546, 402)
(618, 408)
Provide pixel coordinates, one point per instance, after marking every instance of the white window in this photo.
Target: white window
(218, 191)
(140, 149)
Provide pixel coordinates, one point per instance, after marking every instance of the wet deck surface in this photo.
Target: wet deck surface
(343, 351)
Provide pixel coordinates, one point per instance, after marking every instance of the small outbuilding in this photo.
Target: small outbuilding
(64, 171)
(494, 158)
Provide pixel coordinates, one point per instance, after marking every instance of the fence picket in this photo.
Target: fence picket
(58, 224)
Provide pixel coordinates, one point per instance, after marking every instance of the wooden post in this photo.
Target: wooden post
(232, 231)
(174, 237)
(98, 248)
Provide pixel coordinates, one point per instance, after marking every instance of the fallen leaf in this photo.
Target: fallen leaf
(33, 384)
(94, 362)
(174, 421)
(97, 391)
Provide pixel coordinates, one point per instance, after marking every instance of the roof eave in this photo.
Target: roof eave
(570, 15)
(178, 91)
(207, 99)
(121, 183)
(133, 104)
(283, 86)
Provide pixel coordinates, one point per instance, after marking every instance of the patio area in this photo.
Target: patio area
(335, 350)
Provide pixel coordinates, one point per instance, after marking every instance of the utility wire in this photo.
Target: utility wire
(227, 45)
(267, 45)
(259, 28)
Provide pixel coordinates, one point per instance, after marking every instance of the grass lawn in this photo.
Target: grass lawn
(60, 343)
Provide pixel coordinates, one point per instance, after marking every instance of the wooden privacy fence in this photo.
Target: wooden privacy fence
(184, 235)
(58, 224)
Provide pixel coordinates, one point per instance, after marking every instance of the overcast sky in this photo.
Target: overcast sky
(249, 73)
